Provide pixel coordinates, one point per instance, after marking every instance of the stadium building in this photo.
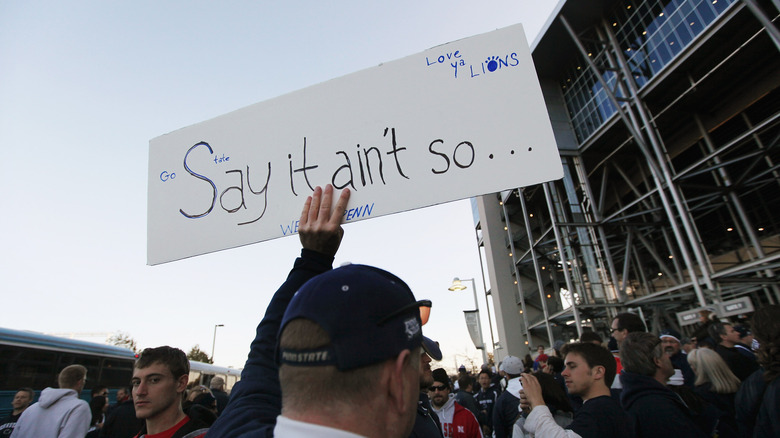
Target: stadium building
(667, 118)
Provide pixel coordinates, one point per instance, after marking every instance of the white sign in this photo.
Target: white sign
(456, 121)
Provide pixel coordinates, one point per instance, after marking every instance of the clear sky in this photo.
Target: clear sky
(84, 86)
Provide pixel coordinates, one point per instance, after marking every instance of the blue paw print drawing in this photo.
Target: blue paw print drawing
(492, 64)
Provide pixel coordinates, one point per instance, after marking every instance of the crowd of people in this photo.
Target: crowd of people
(341, 353)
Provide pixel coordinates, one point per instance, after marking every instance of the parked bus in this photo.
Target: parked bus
(34, 360)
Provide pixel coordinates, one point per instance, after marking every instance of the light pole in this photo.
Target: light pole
(457, 285)
(214, 341)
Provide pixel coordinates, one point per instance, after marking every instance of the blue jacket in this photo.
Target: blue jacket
(654, 409)
(256, 400)
(505, 414)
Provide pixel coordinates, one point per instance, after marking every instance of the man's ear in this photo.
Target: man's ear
(658, 362)
(395, 381)
(598, 372)
(181, 383)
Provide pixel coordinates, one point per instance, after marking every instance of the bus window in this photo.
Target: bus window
(26, 367)
(194, 379)
(116, 373)
(231, 380)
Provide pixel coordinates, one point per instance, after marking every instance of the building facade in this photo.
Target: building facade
(667, 118)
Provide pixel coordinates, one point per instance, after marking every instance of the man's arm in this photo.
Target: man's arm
(256, 400)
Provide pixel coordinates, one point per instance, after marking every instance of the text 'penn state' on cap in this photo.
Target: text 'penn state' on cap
(370, 315)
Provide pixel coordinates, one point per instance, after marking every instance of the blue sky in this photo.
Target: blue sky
(84, 86)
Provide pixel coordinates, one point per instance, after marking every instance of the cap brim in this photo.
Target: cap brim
(431, 348)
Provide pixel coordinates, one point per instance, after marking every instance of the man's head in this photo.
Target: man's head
(724, 334)
(160, 378)
(466, 383)
(73, 377)
(370, 337)
(671, 341)
(540, 348)
(745, 335)
(512, 366)
(439, 391)
(591, 337)
(122, 394)
(462, 371)
(22, 400)
(590, 369)
(555, 365)
(99, 390)
(217, 383)
(485, 379)
(643, 353)
(542, 360)
(625, 323)
(431, 352)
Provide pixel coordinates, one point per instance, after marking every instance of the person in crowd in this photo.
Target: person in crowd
(455, 420)
(716, 385)
(701, 333)
(622, 325)
(22, 400)
(99, 391)
(159, 381)
(758, 399)
(528, 363)
(505, 410)
(203, 409)
(589, 372)
(687, 344)
(592, 337)
(541, 362)
(98, 405)
(486, 397)
(555, 366)
(340, 356)
(426, 423)
(540, 354)
(217, 386)
(59, 411)
(556, 401)
(670, 339)
(728, 338)
(122, 394)
(557, 345)
(744, 346)
(655, 409)
(465, 396)
(121, 421)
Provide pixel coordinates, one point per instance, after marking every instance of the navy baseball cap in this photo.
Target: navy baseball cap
(370, 315)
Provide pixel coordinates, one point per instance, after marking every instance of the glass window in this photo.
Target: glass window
(21, 366)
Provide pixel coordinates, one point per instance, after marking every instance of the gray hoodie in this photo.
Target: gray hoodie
(59, 413)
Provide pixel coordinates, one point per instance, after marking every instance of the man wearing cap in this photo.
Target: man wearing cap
(670, 340)
(338, 358)
(456, 421)
(505, 411)
(426, 423)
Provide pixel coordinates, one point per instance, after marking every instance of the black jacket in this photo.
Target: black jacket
(655, 410)
(756, 405)
(426, 424)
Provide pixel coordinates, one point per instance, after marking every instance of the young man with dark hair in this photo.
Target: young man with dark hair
(727, 339)
(486, 397)
(160, 378)
(589, 372)
(655, 409)
(59, 411)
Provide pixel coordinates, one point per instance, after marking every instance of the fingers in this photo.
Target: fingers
(310, 208)
(341, 207)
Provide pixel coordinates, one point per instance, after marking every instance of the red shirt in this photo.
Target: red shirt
(169, 433)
